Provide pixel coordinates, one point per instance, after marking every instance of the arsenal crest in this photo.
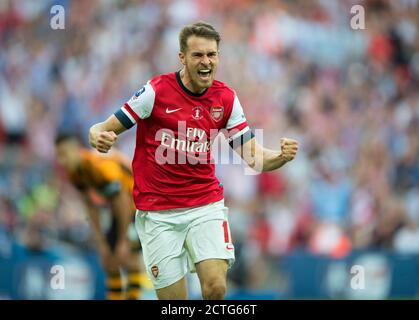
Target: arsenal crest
(217, 113)
(155, 271)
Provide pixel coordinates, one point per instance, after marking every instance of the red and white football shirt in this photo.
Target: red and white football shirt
(172, 161)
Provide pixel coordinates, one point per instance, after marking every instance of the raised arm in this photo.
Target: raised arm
(263, 159)
(103, 135)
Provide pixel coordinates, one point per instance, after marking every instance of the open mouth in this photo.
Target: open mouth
(204, 74)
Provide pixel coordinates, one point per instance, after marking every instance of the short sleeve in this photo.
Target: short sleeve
(138, 107)
(237, 127)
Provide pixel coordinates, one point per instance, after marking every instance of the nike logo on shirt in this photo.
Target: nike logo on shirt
(170, 111)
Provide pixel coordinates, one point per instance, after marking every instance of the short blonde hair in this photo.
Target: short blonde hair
(199, 29)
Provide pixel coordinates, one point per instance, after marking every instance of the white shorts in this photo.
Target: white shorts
(173, 241)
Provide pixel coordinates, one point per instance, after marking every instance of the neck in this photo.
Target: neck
(187, 82)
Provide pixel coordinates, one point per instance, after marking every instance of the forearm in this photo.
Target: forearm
(272, 160)
(262, 159)
(120, 205)
(94, 218)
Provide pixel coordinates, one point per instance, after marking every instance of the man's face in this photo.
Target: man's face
(68, 155)
(200, 61)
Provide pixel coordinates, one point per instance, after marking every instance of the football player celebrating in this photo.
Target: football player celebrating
(181, 218)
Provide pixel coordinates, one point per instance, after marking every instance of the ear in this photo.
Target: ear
(182, 58)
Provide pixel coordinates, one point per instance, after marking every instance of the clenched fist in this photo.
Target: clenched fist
(289, 149)
(102, 140)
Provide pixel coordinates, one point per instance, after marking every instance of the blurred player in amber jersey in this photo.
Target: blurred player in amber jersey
(107, 179)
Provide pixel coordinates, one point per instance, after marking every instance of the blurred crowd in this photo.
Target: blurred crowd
(350, 97)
